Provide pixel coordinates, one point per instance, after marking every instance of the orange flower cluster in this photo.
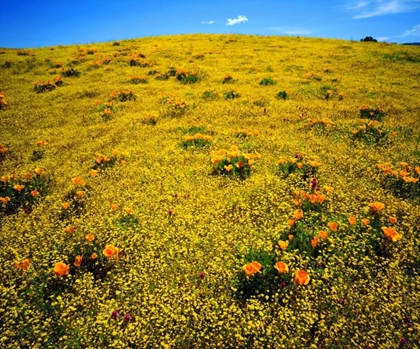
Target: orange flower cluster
(409, 174)
(316, 198)
(391, 234)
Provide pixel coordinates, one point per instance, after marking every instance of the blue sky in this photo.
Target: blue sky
(29, 24)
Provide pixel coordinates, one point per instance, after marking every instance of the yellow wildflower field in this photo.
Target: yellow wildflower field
(210, 191)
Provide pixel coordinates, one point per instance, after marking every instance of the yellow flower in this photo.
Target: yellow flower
(251, 268)
(61, 269)
(283, 244)
(94, 173)
(281, 267)
(228, 168)
(302, 277)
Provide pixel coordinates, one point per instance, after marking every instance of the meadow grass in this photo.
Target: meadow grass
(149, 188)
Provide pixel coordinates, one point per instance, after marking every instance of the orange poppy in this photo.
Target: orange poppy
(65, 205)
(90, 237)
(80, 193)
(298, 214)
(291, 222)
(78, 261)
(27, 176)
(290, 237)
(283, 244)
(39, 171)
(391, 234)
(321, 198)
(376, 206)
(312, 198)
(78, 180)
(297, 202)
(251, 268)
(299, 165)
(18, 187)
(61, 269)
(110, 251)
(392, 220)
(365, 221)
(5, 200)
(314, 241)
(24, 264)
(34, 193)
(128, 211)
(94, 173)
(114, 207)
(352, 220)
(323, 234)
(333, 226)
(302, 277)
(281, 267)
(69, 230)
(94, 256)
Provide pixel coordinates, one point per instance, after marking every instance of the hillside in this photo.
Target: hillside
(150, 187)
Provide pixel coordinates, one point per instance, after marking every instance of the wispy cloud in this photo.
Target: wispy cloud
(374, 8)
(239, 19)
(208, 22)
(291, 30)
(414, 32)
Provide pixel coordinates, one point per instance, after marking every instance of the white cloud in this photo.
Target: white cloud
(291, 30)
(415, 32)
(374, 8)
(237, 20)
(208, 22)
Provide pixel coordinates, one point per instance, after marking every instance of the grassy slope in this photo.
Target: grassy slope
(216, 218)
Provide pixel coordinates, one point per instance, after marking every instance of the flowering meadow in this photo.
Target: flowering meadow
(210, 191)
